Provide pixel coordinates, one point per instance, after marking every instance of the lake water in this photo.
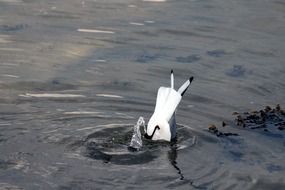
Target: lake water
(75, 76)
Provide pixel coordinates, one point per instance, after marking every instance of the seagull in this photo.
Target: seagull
(162, 124)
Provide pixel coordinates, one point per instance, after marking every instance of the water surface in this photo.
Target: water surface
(75, 76)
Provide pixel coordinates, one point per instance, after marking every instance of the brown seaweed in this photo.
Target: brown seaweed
(262, 119)
(214, 130)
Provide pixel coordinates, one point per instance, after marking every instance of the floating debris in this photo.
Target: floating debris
(213, 129)
(267, 109)
(264, 118)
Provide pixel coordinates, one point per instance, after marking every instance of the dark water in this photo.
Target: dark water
(76, 75)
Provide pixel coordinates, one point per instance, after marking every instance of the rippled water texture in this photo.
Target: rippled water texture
(75, 76)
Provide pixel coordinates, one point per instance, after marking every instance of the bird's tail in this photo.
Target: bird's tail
(185, 86)
(172, 79)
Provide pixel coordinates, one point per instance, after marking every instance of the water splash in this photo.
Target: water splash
(136, 141)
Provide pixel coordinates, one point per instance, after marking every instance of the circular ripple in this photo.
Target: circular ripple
(111, 144)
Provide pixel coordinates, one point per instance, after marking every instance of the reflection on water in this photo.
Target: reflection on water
(172, 156)
(76, 75)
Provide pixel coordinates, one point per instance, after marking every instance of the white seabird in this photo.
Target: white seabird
(162, 124)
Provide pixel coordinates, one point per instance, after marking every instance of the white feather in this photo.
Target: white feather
(172, 80)
(184, 87)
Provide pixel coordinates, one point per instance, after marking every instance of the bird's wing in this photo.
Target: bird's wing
(185, 86)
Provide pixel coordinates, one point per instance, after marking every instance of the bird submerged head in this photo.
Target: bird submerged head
(158, 129)
(161, 125)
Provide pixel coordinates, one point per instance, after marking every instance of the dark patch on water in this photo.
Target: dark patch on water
(216, 53)
(180, 32)
(274, 168)
(236, 155)
(185, 33)
(2, 138)
(147, 33)
(236, 71)
(188, 59)
(270, 134)
(118, 41)
(120, 85)
(280, 3)
(4, 165)
(147, 57)
(12, 28)
(259, 53)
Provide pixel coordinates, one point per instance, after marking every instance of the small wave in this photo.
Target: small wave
(47, 95)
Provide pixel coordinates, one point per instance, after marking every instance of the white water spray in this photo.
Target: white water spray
(136, 141)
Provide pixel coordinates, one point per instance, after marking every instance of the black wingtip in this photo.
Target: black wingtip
(171, 71)
(191, 79)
